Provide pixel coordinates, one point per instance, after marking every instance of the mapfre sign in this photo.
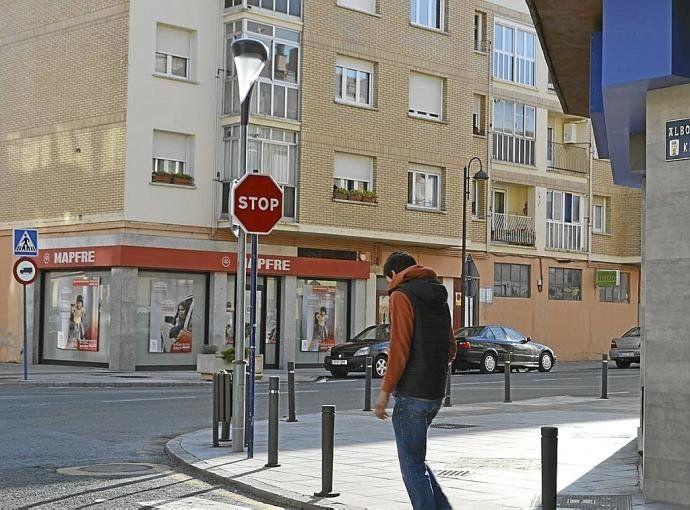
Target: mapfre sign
(257, 203)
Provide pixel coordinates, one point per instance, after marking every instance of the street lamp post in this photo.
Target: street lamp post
(249, 57)
(479, 176)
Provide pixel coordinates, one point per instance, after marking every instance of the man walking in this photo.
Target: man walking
(422, 345)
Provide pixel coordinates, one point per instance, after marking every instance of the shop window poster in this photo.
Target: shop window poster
(172, 308)
(79, 303)
(318, 318)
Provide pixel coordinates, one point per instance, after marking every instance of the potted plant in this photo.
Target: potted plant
(369, 196)
(183, 179)
(161, 177)
(208, 361)
(229, 356)
(340, 193)
(355, 195)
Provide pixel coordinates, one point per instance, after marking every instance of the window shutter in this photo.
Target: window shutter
(173, 40)
(362, 5)
(351, 166)
(168, 145)
(426, 94)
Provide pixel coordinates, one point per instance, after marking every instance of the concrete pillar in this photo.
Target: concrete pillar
(371, 299)
(540, 217)
(288, 320)
(33, 310)
(218, 297)
(358, 306)
(123, 318)
(449, 284)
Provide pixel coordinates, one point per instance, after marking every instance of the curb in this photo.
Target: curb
(75, 384)
(178, 455)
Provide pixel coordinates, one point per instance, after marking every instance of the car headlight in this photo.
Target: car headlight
(364, 351)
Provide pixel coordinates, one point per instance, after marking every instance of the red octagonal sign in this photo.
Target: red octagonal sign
(257, 203)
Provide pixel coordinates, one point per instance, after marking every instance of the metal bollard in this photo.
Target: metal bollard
(327, 444)
(246, 407)
(367, 385)
(446, 401)
(549, 467)
(273, 396)
(291, 392)
(508, 367)
(604, 376)
(222, 405)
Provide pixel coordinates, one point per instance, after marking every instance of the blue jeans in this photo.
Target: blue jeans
(411, 420)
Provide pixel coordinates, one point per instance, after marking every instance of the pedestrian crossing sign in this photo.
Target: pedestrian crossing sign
(25, 242)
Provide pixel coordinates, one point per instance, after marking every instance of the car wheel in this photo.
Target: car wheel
(380, 366)
(489, 363)
(623, 363)
(545, 362)
(339, 373)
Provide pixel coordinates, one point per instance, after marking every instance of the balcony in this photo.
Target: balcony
(567, 157)
(512, 229)
(565, 236)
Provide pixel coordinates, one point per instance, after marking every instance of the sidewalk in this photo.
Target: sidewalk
(486, 457)
(12, 374)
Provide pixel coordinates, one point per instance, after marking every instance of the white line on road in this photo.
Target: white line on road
(145, 399)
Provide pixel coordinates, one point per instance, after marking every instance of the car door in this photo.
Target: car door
(523, 352)
(501, 343)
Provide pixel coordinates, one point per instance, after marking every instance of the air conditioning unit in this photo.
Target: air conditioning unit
(570, 132)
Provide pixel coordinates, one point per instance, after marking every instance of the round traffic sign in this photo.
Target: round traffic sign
(25, 271)
(257, 203)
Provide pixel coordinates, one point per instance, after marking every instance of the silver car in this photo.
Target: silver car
(626, 349)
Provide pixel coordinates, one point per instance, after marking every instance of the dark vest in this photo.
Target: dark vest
(427, 368)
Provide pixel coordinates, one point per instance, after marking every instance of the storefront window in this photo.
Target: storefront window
(76, 316)
(171, 313)
(382, 309)
(322, 318)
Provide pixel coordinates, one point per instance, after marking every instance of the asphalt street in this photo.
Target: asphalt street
(45, 430)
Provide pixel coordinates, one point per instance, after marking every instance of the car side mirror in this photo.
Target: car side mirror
(528, 339)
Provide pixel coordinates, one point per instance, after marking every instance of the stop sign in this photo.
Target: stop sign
(257, 203)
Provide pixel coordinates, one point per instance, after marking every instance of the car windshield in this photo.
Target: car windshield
(632, 332)
(371, 334)
(469, 332)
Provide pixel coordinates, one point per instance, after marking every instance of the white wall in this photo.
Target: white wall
(164, 104)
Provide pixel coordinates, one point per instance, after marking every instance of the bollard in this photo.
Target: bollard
(246, 407)
(327, 444)
(367, 385)
(446, 401)
(604, 376)
(222, 405)
(506, 370)
(549, 467)
(273, 395)
(291, 392)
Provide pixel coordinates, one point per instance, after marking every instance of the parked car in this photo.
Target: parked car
(625, 350)
(487, 348)
(351, 356)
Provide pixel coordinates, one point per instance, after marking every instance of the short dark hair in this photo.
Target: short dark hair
(398, 261)
(80, 299)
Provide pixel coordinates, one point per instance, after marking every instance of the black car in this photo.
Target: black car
(487, 348)
(351, 356)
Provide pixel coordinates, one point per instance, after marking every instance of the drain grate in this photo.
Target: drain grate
(595, 502)
(450, 473)
(451, 426)
(114, 469)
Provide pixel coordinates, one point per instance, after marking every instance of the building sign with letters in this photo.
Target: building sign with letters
(677, 139)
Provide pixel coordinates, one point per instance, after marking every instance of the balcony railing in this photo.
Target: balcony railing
(512, 229)
(513, 149)
(565, 236)
(567, 157)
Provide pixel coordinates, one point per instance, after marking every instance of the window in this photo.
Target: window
(514, 130)
(359, 5)
(514, 55)
(353, 172)
(549, 146)
(428, 13)
(172, 153)
(480, 31)
(565, 284)
(478, 114)
(424, 187)
(426, 96)
(514, 336)
(291, 7)
(353, 80)
(276, 91)
(272, 150)
(511, 280)
(173, 51)
(619, 293)
(564, 229)
(600, 216)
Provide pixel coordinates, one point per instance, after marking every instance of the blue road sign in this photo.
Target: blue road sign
(25, 242)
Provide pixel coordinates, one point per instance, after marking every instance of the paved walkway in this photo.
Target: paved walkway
(486, 456)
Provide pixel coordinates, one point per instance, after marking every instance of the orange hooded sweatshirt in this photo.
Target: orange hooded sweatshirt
(402, 327)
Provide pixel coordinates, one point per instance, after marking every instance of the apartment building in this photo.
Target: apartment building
(123, 144)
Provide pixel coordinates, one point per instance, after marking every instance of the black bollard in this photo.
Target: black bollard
(604, 376)
(246, 408)
(327, 444)
(367, 384)
(222, 405)
(549, 467)
(273, 395)
(446, 401)
(291, 392)
(506, 370)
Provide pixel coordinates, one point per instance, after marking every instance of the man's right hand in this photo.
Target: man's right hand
(381, 404)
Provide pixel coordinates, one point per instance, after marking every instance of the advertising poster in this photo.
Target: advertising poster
(318, 318)
(79, 313)
(172, 307)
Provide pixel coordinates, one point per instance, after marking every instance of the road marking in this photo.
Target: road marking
(146, 399)
(284, 392)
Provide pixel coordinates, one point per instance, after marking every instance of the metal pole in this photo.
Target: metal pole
(252, 345)
(549, 467)
(506, 369)
(291, 392)
(463, 283)
(216, 407)
(327, 444)
(367, 384)
(273, 395)
(604, 376)
(239, 365)
(446, 401)
(225, 404)
(26, 341)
